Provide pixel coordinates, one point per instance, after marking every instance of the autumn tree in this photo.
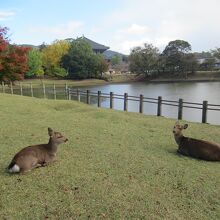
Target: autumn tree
(34, 63)
(13, 59)
(52, 55)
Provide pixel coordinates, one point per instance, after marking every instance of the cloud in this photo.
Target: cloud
(161, 21)
(61, 31)
(135, 29)
(5, 15)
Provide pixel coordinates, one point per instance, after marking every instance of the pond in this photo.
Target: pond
(188, 91)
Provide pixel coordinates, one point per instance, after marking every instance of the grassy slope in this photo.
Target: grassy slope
(115, 166)
(85, 82)
(38, 82)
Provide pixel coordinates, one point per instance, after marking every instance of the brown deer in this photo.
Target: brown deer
(37, 155)
(196, 148)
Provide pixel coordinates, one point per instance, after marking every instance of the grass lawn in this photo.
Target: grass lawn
(117, 78)
(60, 82)
(116, 165)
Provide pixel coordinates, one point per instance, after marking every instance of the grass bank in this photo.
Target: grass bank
(117, 78)
(116, 165)
(60, 82)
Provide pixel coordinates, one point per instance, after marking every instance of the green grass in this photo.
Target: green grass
(60, 82)
(116, 165)
(117, 78)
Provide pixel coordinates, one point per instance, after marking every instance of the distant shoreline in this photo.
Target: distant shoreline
(182, 80)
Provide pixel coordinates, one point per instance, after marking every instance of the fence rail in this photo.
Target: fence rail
(86, 95)
(180, 104)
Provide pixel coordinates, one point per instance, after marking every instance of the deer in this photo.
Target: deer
(199, 149)
(35, 156)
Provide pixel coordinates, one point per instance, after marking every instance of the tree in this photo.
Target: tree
(216, 53)
(97, 65)
(34, 63)
(144, 60)
(176, 57)
(52, 55)
(81, 62)
(13, 59)
(42, 46)
(116, 59)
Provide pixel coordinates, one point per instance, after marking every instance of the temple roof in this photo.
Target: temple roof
(94, 45)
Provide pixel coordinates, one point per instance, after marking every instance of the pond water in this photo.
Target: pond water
(189, 92)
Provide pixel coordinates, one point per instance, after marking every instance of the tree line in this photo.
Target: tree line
(75, 59)
(176, 59)
(72, 59)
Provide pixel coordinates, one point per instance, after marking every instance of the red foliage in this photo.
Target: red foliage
(13, 59)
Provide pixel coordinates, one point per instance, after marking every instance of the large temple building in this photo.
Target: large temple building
(98, 48)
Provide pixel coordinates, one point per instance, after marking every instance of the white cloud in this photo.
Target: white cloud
(60, 31)
(4, 15)
(135, 29)
(134, 22)
(161, 21)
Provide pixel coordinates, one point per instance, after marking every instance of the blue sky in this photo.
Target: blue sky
(120, 24)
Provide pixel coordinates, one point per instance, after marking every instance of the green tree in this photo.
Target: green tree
(216, 53)
(35, 64)
(115, 60)
(176, 56)
(81, 62)
(144, 60)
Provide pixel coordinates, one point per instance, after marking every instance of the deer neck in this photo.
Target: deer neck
(52, 145)
(178, 138)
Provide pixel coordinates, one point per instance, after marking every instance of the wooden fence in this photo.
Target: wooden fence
(159, 101)
(19, 88)
(180, 104)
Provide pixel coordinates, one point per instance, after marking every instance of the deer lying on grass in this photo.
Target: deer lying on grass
(199, 149)
(37, 155)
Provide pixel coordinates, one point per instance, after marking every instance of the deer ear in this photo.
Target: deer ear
(185, 126)
(50, 132)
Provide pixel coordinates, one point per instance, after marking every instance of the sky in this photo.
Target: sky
(119, 24)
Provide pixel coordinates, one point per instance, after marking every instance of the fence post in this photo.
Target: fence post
(204, 111)
(78, 94)
(180, 109)
(159, 104)
(141, 104)
(44, 91)
(125, 101)
(69, 94)
(111, 100)
(66, 91)
(54, 91)
(3, 87)
(21, 88)
(87, 97)
(99, 98)
(32, 94)
(12, 92)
